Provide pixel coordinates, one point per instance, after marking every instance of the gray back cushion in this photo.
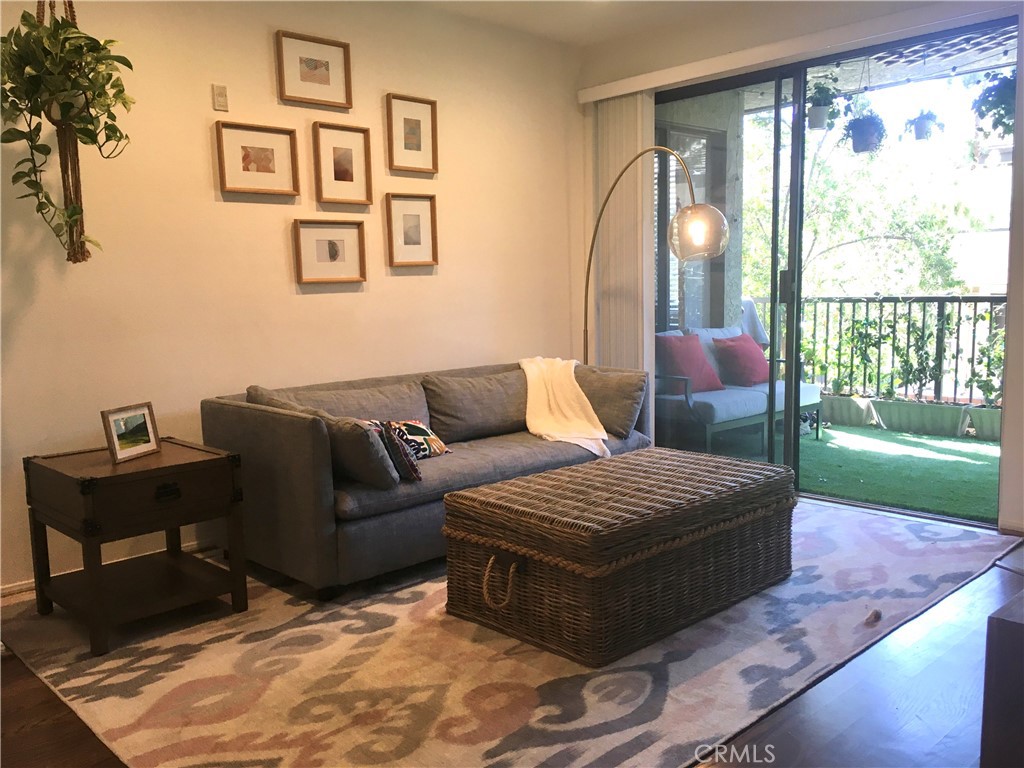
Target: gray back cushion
(357, 451)
(392, 402)
(616, 396)
(470, 407)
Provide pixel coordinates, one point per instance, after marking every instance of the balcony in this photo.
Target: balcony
(869, 353)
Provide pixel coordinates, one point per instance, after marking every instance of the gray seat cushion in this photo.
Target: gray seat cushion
(713, 407)
(487, 460)
(810, 394)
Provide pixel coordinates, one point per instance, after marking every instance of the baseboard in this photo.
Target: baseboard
(21, 587)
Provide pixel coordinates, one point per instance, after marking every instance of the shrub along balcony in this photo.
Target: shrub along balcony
(921, 360)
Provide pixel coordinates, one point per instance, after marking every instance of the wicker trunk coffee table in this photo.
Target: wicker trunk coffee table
(597, 560)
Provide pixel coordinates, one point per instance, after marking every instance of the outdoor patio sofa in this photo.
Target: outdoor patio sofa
(307, 517)
(692, 418)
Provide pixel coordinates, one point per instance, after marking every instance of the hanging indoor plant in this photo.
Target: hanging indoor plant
(924, 124)
(866, 130)
(56, 72)
(822, 109)
(998, 102)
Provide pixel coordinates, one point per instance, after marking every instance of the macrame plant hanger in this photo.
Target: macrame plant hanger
(67, 151)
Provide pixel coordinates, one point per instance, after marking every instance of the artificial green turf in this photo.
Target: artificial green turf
(958, 477)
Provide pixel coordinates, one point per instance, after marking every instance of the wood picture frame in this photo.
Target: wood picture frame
(257, 159)
(130, 431)
(313, 70)
(412, 133)
(412, 230)
(329, 251)
(341, 157)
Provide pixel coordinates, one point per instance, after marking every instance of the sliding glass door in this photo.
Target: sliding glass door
(737, 142)
(868, 201)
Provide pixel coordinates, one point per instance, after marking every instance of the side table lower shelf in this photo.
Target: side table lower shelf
(136, 588)
(141, 586)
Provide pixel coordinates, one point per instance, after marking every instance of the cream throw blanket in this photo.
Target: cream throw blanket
(557, 409)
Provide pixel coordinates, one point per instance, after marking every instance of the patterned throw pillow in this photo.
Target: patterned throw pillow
(423, 443)
(401, 454)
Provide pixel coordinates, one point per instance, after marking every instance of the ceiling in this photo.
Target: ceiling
(585, 22)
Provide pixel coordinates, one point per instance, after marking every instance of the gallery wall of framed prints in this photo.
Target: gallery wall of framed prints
(254, 159)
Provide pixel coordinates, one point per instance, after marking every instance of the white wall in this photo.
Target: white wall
(194, 296)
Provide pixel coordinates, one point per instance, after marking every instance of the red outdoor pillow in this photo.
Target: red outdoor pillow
(684, 356)
(741, 360)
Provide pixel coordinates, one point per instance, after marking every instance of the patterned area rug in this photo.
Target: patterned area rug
(389, 678)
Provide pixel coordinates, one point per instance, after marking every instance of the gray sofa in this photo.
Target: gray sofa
(307, 517)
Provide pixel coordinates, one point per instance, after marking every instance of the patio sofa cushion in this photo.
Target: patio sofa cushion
(741, 361)
(486, 460)
(685, 356)
(707, 338)
(810, 394)
(713, 407)
(468, 407)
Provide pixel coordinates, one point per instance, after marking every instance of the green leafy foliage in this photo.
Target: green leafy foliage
(987, 364)
(998, 102)
(56, 72)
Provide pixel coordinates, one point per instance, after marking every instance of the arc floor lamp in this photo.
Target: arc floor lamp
(697, 232)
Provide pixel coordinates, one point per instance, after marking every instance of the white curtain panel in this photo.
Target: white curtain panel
(622, 302)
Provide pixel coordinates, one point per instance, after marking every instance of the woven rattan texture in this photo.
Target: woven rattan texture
(598, 513)
(595, 621)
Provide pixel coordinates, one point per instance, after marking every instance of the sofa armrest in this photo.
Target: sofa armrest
(687, 385)
(287, 486)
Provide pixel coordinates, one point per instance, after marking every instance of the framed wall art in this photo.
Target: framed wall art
(412, 134)
(313, 70)
(412, 230)
(342, 163)
(130, 431)
(329, 251)
(257, 159)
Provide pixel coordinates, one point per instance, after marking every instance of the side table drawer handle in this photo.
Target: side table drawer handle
(168, 492)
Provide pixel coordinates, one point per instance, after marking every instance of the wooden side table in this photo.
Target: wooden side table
(93, 501)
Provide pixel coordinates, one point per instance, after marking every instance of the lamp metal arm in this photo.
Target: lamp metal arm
(597, 226)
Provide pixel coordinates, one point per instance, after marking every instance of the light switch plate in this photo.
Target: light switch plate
(220, 98)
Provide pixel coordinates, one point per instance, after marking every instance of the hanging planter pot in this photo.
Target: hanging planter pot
(923, 125)
(822, 103)
(817, 117)
(865, 131)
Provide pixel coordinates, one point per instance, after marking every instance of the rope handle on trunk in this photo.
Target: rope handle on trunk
(508, 589)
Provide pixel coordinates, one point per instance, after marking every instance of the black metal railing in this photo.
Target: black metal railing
(945, 348)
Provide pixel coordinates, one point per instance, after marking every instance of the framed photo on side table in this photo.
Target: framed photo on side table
(257, 158)
(131, 431)
(412, 230)
(313, 70)
(412, 134)
(342, 163)
(329, 251)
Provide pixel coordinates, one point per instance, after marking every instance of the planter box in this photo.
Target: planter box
(921, 418)
(987, 422)
(847, 411)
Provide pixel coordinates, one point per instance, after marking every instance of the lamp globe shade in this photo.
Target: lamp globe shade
(697, 233)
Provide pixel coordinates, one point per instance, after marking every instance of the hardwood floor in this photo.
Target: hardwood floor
(913, 699)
